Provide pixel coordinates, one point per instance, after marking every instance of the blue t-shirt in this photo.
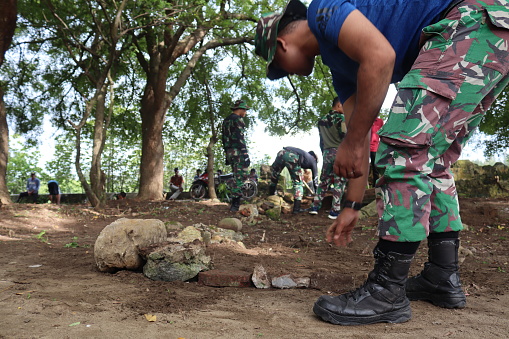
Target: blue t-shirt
(400, 21)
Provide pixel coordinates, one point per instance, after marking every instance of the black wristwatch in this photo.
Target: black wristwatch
(353, 205)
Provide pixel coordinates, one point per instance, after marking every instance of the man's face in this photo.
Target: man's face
(338, 108)
(289, 58)
(242, 112)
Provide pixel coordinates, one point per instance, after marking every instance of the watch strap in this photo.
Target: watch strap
(353, 205)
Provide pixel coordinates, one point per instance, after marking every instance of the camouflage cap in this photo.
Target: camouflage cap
(240, 104)
(267, 30)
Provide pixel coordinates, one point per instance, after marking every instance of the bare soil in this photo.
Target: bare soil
(50, 287)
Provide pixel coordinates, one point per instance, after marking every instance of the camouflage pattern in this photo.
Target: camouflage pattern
(233, 130)
(332, 129)
(240, 162)
(290, 160)
(267, 31)
(330, 179)
(460, 70)
(235, 150)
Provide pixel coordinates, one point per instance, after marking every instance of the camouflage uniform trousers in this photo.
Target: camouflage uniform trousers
(330, 179)
(240, 168)
(461, 68)
(290, 160)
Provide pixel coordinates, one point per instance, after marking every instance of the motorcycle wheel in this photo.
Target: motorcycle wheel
(198, 191)
(249, 189)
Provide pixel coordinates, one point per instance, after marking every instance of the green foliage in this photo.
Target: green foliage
(23, 159)
(495, 125)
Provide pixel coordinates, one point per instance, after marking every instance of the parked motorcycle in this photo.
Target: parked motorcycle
(200, 187)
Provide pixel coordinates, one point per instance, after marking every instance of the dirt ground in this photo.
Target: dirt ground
(50, 287)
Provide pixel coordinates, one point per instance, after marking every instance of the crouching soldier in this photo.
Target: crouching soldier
(295, 160)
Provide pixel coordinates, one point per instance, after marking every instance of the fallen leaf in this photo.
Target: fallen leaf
(150, 317)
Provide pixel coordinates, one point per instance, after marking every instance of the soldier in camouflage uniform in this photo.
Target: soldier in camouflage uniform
(332, 130)
(451, 59)
(235, 149)
(294, 159)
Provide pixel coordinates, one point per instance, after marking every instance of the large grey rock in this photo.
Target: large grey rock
(117, 245)
(177, 262)
(233, 224)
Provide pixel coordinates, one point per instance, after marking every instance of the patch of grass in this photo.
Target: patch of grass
(73, 243)
(42, 237)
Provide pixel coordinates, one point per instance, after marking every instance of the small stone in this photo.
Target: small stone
(260, 277)
(284, 281)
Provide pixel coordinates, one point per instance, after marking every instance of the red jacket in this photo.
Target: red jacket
(177, 180)
(375, 138)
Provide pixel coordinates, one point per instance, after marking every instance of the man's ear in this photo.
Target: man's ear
(281, 42)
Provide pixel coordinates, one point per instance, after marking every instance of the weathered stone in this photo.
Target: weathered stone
(283, 281)
(286, 209)
(265, 205)
(265, 172)
(219, 278)
(302, 282)
(117, 245)
(274, 213)
(189, 234)
(288, 197)
(260, 278)
(172, 226)
(231, 224)
(274, 199)
(249, 210)
(463, 253)
(177, 262)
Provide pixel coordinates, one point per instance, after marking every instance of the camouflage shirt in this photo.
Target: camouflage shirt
(332, 129)
(233, 132)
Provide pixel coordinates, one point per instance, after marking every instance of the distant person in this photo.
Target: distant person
(295, 160)
(332, 129)
(121, 196)
(253, 175)
(235, 149)
(54, 192)
(176, 184)
(33, 184)
(198, 174)
(373, 147)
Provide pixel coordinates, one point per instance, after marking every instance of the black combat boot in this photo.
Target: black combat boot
(439, 281)
(296, 207)
(382, 298)
(272, 189)
(235, 204)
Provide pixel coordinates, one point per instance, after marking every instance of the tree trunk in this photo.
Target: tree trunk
(4, 152)
(154, 106)
(97, 175)
(8, 14)
(210, 168)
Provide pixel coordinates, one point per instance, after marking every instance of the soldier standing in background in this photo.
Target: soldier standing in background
(332, 130)
(235, 149)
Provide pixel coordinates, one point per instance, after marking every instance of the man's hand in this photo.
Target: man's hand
(349, 159)
(340, 232)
